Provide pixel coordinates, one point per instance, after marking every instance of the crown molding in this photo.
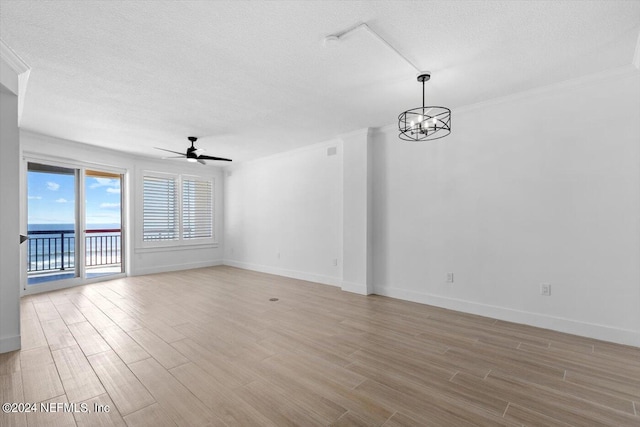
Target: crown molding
(385, 128)
(16, 63)
(282, 154)
(586, 80)
(22, 71)
(590, 79)
(364, 132)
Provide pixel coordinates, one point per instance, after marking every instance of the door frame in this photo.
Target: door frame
(80, 221)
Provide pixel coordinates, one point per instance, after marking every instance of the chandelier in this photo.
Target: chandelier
(424, 123)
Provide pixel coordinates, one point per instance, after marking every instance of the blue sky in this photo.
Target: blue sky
(51, 199)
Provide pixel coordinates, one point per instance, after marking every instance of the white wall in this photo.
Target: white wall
(288, 205)
(9, 222)
(540, 187)
(141, 260)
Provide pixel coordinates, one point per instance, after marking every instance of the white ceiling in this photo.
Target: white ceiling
(252, 78)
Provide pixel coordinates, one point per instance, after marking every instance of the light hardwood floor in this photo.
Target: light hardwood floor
(208, 347)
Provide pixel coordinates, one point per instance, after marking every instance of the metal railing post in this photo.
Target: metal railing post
(62, 249)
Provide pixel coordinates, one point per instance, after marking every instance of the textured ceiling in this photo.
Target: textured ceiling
(253, 78)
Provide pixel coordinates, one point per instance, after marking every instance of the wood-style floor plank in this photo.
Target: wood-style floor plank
(402, 420)
(152, 415)
(275, 407)
(46, 311)
(349, 420)
(31, 333)
(232, 410)
(176, 400)
(70, 313)
(89, 340)
(208, 347)
(304, 395)
(9, 362)
(125, 346)
(78, 378)
(168, 333)
(40, 377)
(168, 356)
(102, 413)
(221, 368)
(54, 416)
(11, 392)
(96, 317)
(57, 334)
(124, 388)
(529, 417)
(438, 410)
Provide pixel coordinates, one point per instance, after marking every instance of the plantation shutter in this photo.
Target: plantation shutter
(160, 217)
(197, 209)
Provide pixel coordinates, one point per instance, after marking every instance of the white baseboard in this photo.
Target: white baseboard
(591, 330)
(8, 344)
(356, 288)
(294, 274)
(175, 267)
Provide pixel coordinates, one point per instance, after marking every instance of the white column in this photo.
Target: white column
(356, 238)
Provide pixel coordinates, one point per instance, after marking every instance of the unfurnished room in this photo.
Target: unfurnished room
(319, 213)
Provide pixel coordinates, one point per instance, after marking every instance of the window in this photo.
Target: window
(160, 212)
(197, 209)
(177, 208)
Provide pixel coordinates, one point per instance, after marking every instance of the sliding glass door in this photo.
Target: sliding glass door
(74, 224)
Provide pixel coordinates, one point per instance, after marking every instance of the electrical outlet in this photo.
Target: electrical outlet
(335, 262)
(545, 289)
(449, 277)
(278, 255)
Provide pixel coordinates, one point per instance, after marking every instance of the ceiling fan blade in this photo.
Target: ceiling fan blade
(170, 151)
(201, 161)
(214, 158)
(173, 157)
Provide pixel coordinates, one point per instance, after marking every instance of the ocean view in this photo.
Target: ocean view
(57, 227)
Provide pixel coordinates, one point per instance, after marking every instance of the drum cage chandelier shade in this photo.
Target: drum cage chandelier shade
(424, 123)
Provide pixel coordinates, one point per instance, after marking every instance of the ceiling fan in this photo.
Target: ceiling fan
(192, 154)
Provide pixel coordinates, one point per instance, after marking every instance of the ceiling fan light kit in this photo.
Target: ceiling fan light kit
(192, 155)
(425, 123)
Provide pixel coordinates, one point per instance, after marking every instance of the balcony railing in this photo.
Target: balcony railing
(51, 250)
